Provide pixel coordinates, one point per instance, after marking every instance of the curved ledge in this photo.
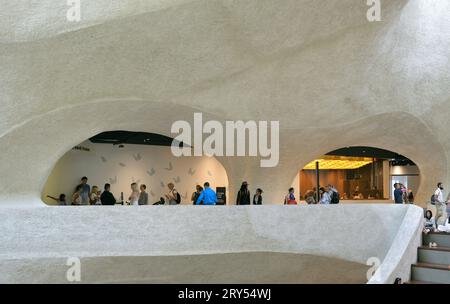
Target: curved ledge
(349, 233)
(403, 251)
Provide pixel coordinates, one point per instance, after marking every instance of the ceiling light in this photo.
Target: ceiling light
(339, 163)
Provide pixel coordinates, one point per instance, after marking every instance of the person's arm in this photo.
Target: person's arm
(200, 198)
(53, 198)
(436, 196)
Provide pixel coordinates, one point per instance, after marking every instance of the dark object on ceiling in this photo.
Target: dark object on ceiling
(395, 158)
(132, 138)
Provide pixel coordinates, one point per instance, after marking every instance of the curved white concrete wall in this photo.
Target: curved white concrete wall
(352, 233)
(141, 65)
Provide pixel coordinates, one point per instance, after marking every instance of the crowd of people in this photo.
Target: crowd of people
(402, 195)
(85, 195)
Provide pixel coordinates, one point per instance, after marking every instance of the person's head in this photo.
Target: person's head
(94, 189)
(440, 186)
(170, 186)
(244, 186)
(143, 187)
(107, 187)
(330, 186)
(357, 188)
(428, 214)
(321, 189)
(199, 188)
(134, 187)
(84, 180)
(259, 191)
(291, 190)
(396, 185)
(78, 188)
(206, 185)
(62, 197)
(327, 188)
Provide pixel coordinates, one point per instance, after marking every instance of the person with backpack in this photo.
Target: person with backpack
(326, 195)
(334, 194)
(173, 197)
(440, 203)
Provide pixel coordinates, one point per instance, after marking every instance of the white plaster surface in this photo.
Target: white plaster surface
(329, 76)
(347, 233)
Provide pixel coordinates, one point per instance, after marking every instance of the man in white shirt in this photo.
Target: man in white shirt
(171, 197)
(441, 206)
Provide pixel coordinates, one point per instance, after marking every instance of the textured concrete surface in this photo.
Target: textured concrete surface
(329, 76)
(403, 252)
(230, 268)
(34, 241)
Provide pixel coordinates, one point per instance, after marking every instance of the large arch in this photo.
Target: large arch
(141, 157)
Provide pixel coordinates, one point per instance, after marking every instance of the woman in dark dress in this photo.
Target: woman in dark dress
(243, 196)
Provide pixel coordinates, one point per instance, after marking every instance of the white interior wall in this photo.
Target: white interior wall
(154, 166)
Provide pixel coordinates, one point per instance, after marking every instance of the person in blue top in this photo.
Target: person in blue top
(208, 196)
(398, 194)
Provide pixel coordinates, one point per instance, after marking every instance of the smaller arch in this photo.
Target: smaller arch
(360, 174)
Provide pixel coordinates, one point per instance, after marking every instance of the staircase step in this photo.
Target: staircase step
(431, 273)
(442, 239)
(436, 255)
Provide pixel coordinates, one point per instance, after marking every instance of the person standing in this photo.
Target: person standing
(243, 196)
(134, 196)
(410, 196)
(94, 196)
(107, 198)
(441, 206)
(76, 197)
(289, 199)
(143, 196)
(257, 198)
(85, 190)
(196, 194)
(172, 196)
(208, 196)
(398, 194)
